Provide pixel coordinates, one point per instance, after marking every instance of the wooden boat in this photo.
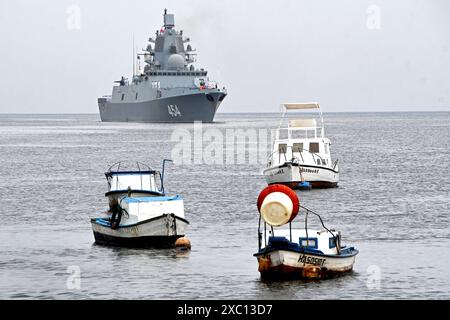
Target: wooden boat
(299, 252)
(140, 214)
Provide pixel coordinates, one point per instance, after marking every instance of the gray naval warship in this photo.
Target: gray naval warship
(168, 89)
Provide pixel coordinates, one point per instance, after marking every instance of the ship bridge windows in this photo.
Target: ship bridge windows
(314, 147)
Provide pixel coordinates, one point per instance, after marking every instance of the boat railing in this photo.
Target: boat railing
(287, 107)
(335, 163)
(289, 132)
(122, 166)
(335, 237)
(295, 159)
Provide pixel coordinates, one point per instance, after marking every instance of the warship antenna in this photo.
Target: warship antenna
(134, 59)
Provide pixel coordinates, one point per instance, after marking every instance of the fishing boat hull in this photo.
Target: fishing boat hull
(158, 232)
(281, 264)
(295, 175)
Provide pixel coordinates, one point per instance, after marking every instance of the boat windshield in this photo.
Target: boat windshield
(137, 176)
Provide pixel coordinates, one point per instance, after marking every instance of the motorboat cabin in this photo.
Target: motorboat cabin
(301, 153)
(133, 180)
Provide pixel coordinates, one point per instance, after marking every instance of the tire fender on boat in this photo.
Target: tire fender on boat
(183, 243)
(264, 263)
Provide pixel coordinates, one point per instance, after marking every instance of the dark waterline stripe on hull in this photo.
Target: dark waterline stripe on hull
(137, 242)
(284, 272)
(314, 184)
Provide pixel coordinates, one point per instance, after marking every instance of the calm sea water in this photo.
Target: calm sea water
(392, 204)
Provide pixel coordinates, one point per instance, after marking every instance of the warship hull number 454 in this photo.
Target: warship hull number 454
(168, 89)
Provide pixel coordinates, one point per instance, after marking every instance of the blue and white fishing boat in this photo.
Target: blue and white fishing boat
(140, 213)
(299, 252)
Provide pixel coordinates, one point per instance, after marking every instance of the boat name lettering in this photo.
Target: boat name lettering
(311, 260)
(309, 170)
(274, 173)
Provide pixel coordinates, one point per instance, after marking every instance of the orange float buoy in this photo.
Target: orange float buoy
(263, 264)
(311, 272)
(278, 204)
(183, 243)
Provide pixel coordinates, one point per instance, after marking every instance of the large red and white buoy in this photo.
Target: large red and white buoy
(278, 205)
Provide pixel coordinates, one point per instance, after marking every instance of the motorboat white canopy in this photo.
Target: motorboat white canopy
(304, 124)
(301, 105)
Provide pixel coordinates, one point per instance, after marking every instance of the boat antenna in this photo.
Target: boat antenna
(134, 59)
(162, 174)
(321, 120)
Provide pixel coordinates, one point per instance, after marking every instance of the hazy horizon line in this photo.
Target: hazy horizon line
(225, 113)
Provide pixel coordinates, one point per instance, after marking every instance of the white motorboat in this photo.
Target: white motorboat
(301, 155)
(297, 252)
(140, 214)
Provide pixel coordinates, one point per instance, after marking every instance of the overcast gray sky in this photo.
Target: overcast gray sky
(347, 55)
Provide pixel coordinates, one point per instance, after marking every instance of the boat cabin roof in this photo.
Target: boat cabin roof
(116, 173)
(301, 105)
(136, 176)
